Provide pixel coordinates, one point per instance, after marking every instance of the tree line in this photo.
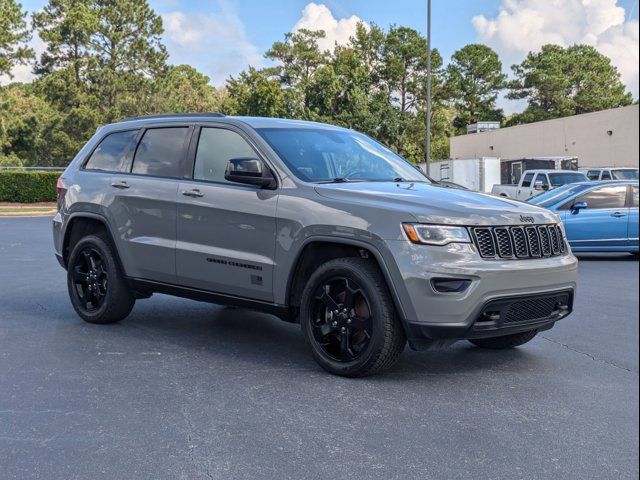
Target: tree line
(105, 60)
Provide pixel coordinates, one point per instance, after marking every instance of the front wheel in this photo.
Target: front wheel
(506, 341)
(98, 291)
(349, 319)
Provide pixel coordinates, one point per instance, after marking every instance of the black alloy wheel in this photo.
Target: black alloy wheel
(97, 288)
(349, 319)
(341, 322)
(90, 279)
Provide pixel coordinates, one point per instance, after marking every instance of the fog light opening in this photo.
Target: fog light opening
(450, 285)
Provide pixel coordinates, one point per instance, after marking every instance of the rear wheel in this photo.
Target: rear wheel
(97, 289)
(506, 341)
(349, 319)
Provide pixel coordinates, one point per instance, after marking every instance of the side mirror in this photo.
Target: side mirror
(250, 171)
(539, 185)
(579, 206)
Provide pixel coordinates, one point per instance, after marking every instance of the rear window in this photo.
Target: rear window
(593, 174)
(113, 154)
(160, 152)
(559, 179)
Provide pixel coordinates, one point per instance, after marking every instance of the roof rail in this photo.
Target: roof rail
(170, 115)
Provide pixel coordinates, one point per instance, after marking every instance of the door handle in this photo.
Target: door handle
(193, 193)
(122, 184)
(618, 214)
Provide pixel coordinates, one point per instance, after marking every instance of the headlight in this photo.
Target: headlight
(435, 234)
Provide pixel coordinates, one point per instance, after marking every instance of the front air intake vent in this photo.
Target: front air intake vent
(519, 242)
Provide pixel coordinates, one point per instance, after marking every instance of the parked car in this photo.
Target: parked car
(608, 173)
(598, 216)
(535, 182)
(313, 223)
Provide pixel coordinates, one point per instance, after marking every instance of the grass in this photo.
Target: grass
(8, 209)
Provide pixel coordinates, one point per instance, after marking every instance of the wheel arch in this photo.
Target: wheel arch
(85, 223)
(317, 250)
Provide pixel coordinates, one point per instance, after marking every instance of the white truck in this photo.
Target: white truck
(535, 182)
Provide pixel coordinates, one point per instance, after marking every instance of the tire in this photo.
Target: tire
(367, 318)
(97, 288)
(506, 341)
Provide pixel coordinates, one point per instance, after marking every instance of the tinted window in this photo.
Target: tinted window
(629, 174)
(526, 181)
(634, 198)
(604, 197)
(558, 179)
(593, 174)
(113, 154)
(216, 147)
(160, 152)
(323, 155)
(606, 175)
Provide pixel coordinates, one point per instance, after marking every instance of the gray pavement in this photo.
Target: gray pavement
(189, 390)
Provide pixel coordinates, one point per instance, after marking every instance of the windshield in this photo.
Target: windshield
(557, 195)
(629, 174)
(320, 155)
(559, 179)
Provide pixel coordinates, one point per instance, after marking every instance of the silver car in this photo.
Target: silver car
(316, 224)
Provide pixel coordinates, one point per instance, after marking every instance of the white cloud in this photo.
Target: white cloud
(525, 25)
(215, 43)
(319, 17)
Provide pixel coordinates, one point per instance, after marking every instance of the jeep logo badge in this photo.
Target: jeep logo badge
(526, 219)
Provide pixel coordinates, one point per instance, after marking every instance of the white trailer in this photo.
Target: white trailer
(479, 174)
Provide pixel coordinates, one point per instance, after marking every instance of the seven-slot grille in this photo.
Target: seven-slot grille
(530, 241)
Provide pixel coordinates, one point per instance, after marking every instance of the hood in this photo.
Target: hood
(432, 204)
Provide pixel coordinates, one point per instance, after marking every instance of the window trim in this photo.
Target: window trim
(136, 140)
(190, 163)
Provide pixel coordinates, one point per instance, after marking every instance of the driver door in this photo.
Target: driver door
(225, 231)
(603, 223)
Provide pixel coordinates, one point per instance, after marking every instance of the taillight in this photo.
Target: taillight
(61, 190)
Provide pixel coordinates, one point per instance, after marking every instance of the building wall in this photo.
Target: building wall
(584, 136)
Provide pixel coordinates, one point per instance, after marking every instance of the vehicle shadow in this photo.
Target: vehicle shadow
(247, 340)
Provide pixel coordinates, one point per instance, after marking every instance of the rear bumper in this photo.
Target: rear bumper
(498, 317)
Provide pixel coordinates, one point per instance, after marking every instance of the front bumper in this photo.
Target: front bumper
(497, 285)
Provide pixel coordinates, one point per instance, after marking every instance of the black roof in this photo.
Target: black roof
(174, 115)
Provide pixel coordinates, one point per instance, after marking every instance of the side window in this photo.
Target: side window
(160, 152)
(606, 175)
(113, 154)
(593, 174)
(634, 198)
(605, 197)
(216, 147)
(542, 177)
(526, 181)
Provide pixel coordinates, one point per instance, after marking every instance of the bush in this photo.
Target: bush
(28, 186)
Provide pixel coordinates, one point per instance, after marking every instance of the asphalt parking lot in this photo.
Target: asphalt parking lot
(189, 390)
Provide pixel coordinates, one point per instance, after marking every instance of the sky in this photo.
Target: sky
(222, 37)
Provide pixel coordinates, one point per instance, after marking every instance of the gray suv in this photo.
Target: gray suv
(312, 223)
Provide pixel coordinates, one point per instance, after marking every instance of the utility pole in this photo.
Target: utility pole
(427, 154)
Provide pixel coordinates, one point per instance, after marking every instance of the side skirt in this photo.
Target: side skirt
(146, 287)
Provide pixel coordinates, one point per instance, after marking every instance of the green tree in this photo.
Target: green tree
(182, 88)
(254, 93)
(558, 82)
(13, 33)
(473, 79)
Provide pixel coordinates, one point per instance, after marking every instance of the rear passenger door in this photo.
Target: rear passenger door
(141, 203)
(226, 230)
